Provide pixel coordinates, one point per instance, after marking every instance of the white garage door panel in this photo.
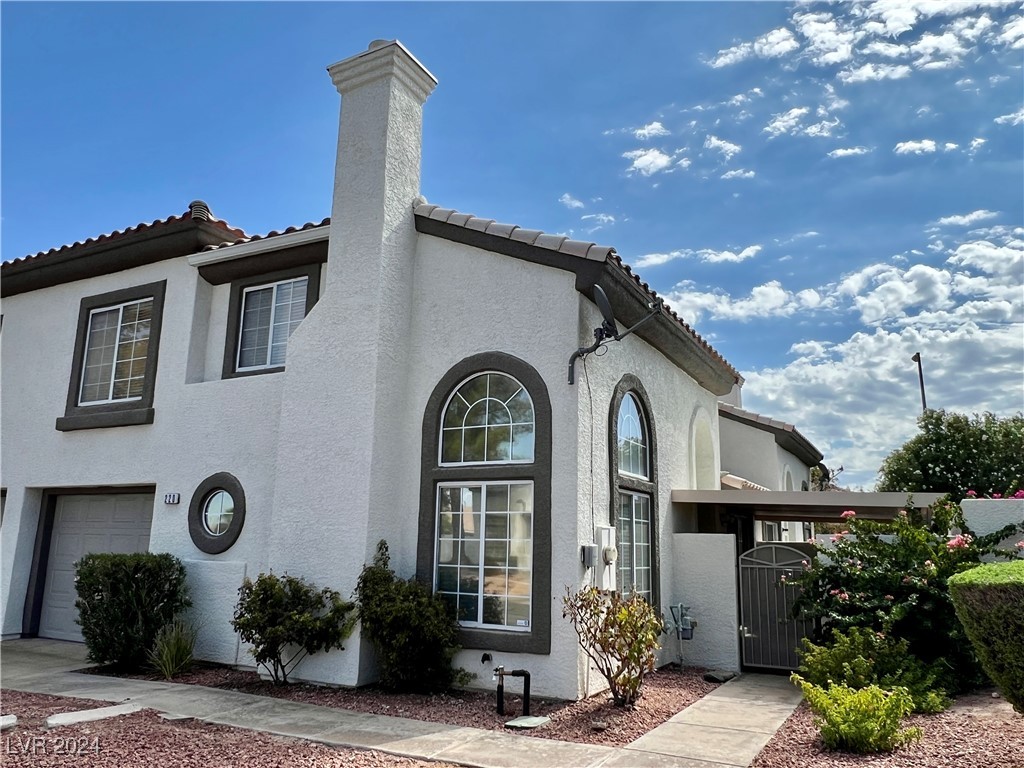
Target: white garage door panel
(83, 525)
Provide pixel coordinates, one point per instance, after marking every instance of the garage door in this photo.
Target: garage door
(83, 525)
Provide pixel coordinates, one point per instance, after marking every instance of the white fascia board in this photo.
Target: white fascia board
(275, 243)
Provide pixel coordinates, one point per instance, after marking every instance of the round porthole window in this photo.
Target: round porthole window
(217, 513)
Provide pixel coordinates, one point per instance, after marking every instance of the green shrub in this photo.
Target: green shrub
(989, 600)
(620, 637)
(172, 650)
(861, 720)
(282, 615)
(413, 631)
(123, 602)
(862, 657)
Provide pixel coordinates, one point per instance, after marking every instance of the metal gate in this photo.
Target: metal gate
(769, 635)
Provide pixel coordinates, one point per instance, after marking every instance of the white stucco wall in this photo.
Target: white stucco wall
(199, 428)
(704, 566)
(985, 516)
(750, 453)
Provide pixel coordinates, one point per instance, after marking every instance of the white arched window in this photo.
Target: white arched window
(632, 439)
(488, 419)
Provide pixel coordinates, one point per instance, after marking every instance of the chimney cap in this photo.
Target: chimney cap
(200, 211)
(383, 58)
(375, 44)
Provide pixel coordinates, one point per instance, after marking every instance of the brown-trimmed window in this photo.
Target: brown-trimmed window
(113, 369)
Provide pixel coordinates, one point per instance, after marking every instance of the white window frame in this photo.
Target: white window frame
(273, 316)
(448, 402)
(113, 366)
(648, 594)
(483, 484)
(644, 443)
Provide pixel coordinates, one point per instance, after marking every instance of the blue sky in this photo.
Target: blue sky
(820, 189)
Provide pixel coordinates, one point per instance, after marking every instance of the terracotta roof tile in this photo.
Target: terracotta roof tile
(273, 233)
(198, 210)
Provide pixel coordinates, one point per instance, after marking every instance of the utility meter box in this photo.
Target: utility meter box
(606, 564)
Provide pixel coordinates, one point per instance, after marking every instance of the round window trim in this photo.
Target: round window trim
(205, 540)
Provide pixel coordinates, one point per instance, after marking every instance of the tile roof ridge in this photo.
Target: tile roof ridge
(326, 222)
(197, 210)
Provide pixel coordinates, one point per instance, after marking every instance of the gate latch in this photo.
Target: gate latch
(745, 633)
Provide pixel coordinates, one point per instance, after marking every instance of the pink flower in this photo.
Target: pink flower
(889, 597)
(929, 564)
(848, 514)
(834, 592)
(842, 596)
(1019, 494)
(997, 495)
(1020, 544)
(782, 579)
(960, 541)
(971, 494)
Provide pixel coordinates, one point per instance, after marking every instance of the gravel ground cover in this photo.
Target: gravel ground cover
(590, 721)
(977, 732)
(145, 740)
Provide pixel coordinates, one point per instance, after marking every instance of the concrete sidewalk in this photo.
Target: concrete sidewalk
(725, 729)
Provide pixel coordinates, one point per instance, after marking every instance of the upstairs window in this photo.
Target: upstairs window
(632, 439)
(269, 315)
(117, 346)
(113, 368)
(488, 419)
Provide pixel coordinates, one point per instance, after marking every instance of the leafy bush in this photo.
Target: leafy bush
(891, 578)
(861, 720)
(123, 602)
(620, 637)
(989, 600)
(955, 453)
(862, 657)
(172, 650)
(413, 631)
(281, 615)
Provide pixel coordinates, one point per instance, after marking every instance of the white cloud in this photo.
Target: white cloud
(971, 29)
(599, 218)
(849, 152)
(767, 300)
(937, 51)
(1013, 33)
(740, 173)
(869, 72)
(786, 122)
(684, 163)
(647, 162)
(886, 50)
(976, 144)
(829, 41)
(706, 255)
(651, 130)
(776, 43)
(727, 148)
(999, 260)
(734, 55)
(967, 219)
(821, 130)
(1014, 118)
(949, 146)
(569, 201)
(922, 147)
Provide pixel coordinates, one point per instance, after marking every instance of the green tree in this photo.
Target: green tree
(956, 453)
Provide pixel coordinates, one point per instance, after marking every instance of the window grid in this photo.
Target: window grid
(117, 346)
(270, 313)
(632, 439)
(489, 419)
(492, 591)
(634, 535)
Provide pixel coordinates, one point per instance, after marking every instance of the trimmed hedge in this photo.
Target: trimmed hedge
(989, 602)
(124, 601)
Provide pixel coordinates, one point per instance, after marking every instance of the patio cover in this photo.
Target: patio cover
(811, 506)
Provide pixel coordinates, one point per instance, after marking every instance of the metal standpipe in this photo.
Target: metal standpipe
(499, 675)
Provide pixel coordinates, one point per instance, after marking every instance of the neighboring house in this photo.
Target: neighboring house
(398, 371)
(763, 454)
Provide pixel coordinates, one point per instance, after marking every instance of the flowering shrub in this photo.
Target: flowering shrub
(891, 578)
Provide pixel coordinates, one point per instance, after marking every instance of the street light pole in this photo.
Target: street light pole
(920, 375)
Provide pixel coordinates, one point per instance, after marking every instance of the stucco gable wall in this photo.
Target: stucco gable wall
(750, 453)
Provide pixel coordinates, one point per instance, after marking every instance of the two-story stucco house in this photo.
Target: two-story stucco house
(396, 372)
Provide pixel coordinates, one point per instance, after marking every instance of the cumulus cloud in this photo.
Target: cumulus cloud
(975, 145)
(650, 130)
(569, 201)
(706, 255)
(991, 258)
(647, 162)
(1014, 118)
(776, 43)
(937, 51)
(829, 41)
(849, 152)
(868, 72)
(922, 147)
(727, 148)
(967, 219)
(767, 300)
(1012, 34)
(739, 173)
(785, 122)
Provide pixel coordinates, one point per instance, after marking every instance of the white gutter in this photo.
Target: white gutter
(263, 245)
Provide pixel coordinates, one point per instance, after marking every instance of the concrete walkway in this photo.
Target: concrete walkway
(725, 729)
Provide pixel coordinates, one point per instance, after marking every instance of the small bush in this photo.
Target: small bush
(620, 637)
(282, 615)
(989, 601)
(123, 602)
(413, 631)
(862, 657)
(861, 720)
(172, 650)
